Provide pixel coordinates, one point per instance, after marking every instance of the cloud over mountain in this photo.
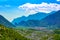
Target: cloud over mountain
(43, 7)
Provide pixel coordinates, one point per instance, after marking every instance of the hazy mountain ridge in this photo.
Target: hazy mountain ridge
(34, 20)
(37, 16)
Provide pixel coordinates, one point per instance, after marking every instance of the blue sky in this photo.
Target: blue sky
(11, 9)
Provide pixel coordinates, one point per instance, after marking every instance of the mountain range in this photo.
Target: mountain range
(5, 22)
(38, 19)
(37, 16)
(35, 20)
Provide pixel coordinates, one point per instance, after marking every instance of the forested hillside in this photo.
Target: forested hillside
(10, 34)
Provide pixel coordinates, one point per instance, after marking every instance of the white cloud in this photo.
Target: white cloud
(58, 0)
(43, 7)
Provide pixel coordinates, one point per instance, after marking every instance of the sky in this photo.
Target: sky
(12, 9)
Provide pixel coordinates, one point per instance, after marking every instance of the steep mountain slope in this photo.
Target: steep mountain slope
(53, 19)
(5, 22)
(10, 34)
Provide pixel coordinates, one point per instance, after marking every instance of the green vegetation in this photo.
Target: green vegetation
(10, 34)
(46, 34)
(56, 35)
(28, 34)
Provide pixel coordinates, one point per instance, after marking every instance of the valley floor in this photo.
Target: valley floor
(34, 34)
(28, 34)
